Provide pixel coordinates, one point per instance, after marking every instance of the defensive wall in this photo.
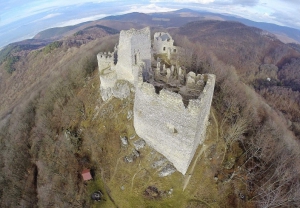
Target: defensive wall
(168, 126)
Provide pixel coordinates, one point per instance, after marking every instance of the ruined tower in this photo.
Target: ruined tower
(134, 47)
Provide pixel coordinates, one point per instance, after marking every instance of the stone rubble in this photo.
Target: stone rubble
(139, 144)
(167, 170)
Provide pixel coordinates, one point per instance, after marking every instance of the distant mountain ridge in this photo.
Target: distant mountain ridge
(273, 28)
(56, 32)
(30, 27)
(180, 17)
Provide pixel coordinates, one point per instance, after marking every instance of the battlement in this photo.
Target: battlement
(106, 54)
(106, 60)
(164, 95)
(175, 98)
(133, 32)
(105, 57)
(162, 36)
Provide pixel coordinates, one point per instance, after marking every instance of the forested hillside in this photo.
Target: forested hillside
(260, 60)
(54, 124)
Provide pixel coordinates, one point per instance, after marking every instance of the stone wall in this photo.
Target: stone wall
(205, 100)
(121, 90)
(105, 60)
(132, 55)
(170, 128)
(164, 44)
(134, 46)
(108, 78)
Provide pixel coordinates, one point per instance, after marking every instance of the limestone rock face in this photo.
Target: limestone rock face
(167, 170)
(131, 157)
(139, 144)
(120, 90)
(159, 163)
(124, 141)
(129, 115)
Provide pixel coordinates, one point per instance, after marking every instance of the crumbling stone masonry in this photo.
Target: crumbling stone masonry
(171, 108)
(134, 49)
(164, 44)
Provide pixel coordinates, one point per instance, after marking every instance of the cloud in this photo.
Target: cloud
(235, 2)
(196, 1)
(285, 18)
(50, 16)
(245, 2)
(80, 20)
(282, 12)
(185, 2)
(150, 8)
(20, 9)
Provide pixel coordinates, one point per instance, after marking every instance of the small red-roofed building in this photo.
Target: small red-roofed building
(86, 175)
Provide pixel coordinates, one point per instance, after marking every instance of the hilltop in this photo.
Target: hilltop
(54, 122)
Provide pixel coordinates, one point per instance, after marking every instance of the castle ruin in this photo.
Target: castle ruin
(164, 44)
(171, 107)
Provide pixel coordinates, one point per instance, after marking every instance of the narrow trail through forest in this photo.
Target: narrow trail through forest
(188, 175)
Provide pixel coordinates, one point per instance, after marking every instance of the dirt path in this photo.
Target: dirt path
(188, 176)
(216, 123)
(107, 189)
(116, 167)
(132, 180)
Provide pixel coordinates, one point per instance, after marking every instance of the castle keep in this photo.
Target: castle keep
(171, 108)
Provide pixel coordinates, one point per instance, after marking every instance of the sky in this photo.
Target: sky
(20, 19)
